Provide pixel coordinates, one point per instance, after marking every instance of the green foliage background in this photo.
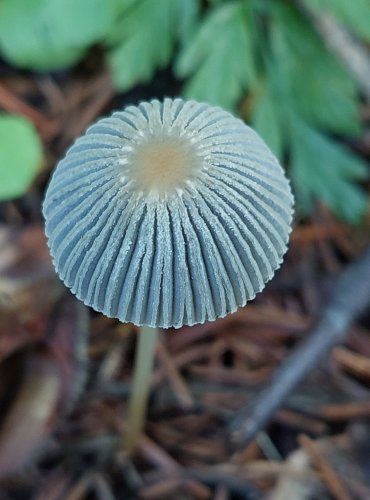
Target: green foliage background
(259, 58)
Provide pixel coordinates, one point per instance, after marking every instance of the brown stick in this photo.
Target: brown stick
(329, 476)
(178, 384)
(11, 103)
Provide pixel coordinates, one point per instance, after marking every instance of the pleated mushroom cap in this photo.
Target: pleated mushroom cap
(168, 214)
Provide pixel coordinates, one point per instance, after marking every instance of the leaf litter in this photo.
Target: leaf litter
(65, 371)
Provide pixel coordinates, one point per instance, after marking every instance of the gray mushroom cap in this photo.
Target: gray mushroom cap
(168, 214)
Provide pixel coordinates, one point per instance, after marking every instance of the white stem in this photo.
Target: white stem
(144, 361)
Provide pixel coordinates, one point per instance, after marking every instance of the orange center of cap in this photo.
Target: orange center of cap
(161, 165)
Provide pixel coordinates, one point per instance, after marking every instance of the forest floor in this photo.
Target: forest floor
(65, 371)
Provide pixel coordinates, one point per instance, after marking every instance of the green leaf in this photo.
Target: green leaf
(266, 119)
(187, 17)
(52, 34)
(20, 156)
(144, 37)
(219, 58)
(355, 15)
(323, 169)
(315, 82)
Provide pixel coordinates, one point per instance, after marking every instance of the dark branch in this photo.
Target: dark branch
(350, 298)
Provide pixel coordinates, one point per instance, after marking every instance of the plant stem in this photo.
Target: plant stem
(144, 361)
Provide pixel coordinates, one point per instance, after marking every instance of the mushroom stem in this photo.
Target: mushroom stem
(144, 360)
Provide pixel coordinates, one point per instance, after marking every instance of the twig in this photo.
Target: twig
(183, 358)
(169, 487)
(156, 455)
(342, 43)
(103, 92)
(350, 298)
(298, 421)
(159, 457)
(353, 362)
(237, 481)
(346, 411)
(329, 476)
(178, 384)
(13, 104)
(90, 481)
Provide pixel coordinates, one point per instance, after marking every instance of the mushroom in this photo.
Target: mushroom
(167, 214)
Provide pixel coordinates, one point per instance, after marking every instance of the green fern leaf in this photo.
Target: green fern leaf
(315, 82)
(219, 59)
(323, 169)
(144, 37)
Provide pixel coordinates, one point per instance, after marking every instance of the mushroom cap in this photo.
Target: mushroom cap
(168, 214)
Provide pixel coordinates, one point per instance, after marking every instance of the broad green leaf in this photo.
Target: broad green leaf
(20, 156)
(219, 58)
(323, 169)
(355, 14)
(316, 83)
(52, 34)
(144, 37)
